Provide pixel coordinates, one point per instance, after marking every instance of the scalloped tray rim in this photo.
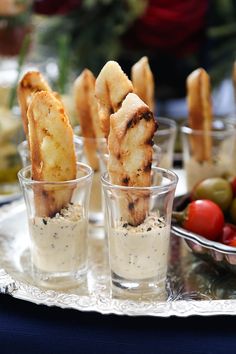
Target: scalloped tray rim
(97, 303)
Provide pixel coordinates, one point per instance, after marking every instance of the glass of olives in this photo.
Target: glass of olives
(208, 153)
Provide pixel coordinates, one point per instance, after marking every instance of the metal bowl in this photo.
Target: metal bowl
(221, 255)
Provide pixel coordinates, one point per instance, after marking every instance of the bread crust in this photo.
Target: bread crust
(130, 154)
(87, 114)
(143, 82)
(111, 87)
(31, 82)
(52, 152)
(200, 113)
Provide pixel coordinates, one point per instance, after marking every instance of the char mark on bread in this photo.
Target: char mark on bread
(52, 152)
(111, 88)
(130, 153)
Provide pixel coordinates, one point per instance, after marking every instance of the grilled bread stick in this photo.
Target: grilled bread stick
(143, 82)
(200, 113)
(87, 114)
(52, 152)
(130, 154)
(111, 88)
(31, 82)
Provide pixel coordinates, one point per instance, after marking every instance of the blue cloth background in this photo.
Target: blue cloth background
(30, 328)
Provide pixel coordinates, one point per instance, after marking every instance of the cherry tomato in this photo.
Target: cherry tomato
(217, 189)
(229, 235)
(205, 218)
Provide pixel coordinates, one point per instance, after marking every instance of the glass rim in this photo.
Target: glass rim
(229, 129)
(24, 143)
(29, 181)
(172, 128)
(163, 188)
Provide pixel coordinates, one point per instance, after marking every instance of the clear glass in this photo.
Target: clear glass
(23, 150)
(232, 120)
(210, 154)
(92, 149)
(103, 160)
(165, 138)
(58, 220)
(138, 225)
(11, 134)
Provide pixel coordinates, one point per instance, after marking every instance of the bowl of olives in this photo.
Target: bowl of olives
(206, 219)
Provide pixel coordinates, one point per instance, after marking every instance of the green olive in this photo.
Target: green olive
(232, 211)
(216, 189)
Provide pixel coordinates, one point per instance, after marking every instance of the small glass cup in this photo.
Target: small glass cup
(207, 155)
(138, 226)
(58, 220)
(10, 135)
(165, 138)
(23, 150)
(103, 160)
(232, 120)
(93, 148)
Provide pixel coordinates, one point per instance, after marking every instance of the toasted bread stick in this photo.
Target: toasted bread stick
(130, 154)
(87, 114)
(31, 82)
(143, 82)
(111, 88)
(52, 152)
(200, 113)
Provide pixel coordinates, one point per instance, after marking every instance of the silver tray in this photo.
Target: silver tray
(194, 287)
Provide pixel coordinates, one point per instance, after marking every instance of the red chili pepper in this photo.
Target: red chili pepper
(202, 217)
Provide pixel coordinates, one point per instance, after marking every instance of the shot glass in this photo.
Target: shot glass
(103, 160)
(165, 138)
(58, 220)
(138, 226)
(93, 148)
(11, 133)
(23, 150)
(208, 154)
(232, 120)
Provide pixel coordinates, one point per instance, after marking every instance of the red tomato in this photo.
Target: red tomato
(233, 185)
(205, 218)
(229, 235)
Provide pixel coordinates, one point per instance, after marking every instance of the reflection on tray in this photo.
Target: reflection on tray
(189, 278)
(197, 279)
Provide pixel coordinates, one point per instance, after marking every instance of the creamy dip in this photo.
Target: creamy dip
(196, 171)
(59, 244)
(140, 252)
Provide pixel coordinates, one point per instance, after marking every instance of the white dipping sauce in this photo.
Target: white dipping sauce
(59, 244)
(140, 252)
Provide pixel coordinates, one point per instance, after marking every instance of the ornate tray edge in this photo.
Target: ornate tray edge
(179, 308)
(98, 303)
